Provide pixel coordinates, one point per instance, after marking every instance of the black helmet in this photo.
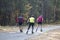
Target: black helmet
(32, 15)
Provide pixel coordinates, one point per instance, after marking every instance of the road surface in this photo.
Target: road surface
(23, 36)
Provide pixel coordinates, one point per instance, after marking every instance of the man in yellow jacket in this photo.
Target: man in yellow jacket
(31, 23)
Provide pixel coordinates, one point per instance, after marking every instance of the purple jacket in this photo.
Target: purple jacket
(21, 19)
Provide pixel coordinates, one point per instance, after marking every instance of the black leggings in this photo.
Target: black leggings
(31, 24)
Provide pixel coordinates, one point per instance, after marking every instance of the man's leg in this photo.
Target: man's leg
(32, 27)
(37, 27)
(28, 28)
(41, 26)
(20, 27)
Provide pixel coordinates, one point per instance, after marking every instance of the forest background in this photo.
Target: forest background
(10, 9)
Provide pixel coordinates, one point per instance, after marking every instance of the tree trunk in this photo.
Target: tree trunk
(55, 10)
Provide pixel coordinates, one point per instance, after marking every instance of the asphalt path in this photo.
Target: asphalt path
(23, 36)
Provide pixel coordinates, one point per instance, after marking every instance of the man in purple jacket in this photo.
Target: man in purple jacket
(20, 22)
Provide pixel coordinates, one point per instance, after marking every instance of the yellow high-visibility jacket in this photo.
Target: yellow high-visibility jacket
(31, 19)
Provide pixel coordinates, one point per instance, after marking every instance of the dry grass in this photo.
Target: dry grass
(51, 35)
(8, 29)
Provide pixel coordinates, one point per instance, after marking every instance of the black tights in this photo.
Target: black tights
(31, 24)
